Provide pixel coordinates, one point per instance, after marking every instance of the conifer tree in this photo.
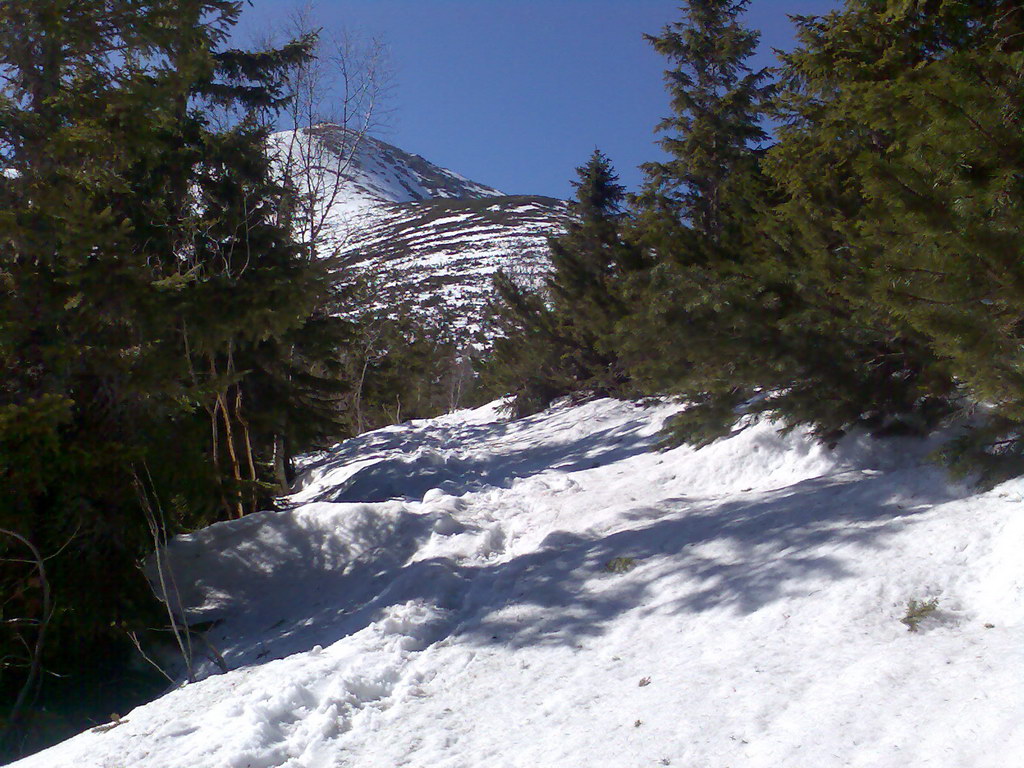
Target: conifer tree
(698, 213)
(525, 361)
(562, 341)
(81, 377)
(893, 140)
(588, 263)
(771, 298)
(718, 104)
(150, 308)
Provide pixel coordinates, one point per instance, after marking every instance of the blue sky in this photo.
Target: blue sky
(517, 93)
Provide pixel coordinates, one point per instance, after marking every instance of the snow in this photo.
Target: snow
(412, 226)
(373, 172)
(438, 594)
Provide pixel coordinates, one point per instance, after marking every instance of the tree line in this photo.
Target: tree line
(858, 268)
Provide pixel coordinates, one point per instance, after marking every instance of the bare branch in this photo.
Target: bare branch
(336, 103)
(30, 688)
(169, 593)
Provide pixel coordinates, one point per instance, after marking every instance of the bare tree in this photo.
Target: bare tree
(337, 100)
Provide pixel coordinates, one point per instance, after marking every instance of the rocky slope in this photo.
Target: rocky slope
(423, 235)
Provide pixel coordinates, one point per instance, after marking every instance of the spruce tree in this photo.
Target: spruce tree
(562, 340)
(588, 263)
(775, 296)
(697, 215)
(893, 139)
(151, 311)
(82, 378)
(527, 354)
(714, 130)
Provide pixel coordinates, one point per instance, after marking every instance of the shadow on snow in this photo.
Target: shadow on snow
(429, 464)
(738, 555)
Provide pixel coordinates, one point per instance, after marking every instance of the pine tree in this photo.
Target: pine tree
(911, 173)
(81, 383)
(147, 301)
(588, 263)
(718, 105)
(877, 373)
(526, 359)
(776, 297)
(562, 341)
(697, 216)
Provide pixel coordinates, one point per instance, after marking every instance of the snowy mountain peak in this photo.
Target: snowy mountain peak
(372, 171)
(428, 238)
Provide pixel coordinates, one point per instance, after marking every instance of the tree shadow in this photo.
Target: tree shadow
(738, 554)
(427, 461)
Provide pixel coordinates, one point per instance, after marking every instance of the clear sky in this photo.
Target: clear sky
(517, 93)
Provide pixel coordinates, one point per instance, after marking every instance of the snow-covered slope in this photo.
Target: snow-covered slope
(373, 171)
(441, 254)
(469, 592)
(425, 235)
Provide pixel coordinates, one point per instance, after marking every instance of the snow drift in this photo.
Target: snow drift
(468, 591)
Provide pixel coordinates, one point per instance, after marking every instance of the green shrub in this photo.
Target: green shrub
(620, 565)
(917, 612)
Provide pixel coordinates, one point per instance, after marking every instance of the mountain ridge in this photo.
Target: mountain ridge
(428, 238)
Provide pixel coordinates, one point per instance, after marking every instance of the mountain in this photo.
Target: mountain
(468, 591)
(425, 236)
(440, 254)
(372, 171)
